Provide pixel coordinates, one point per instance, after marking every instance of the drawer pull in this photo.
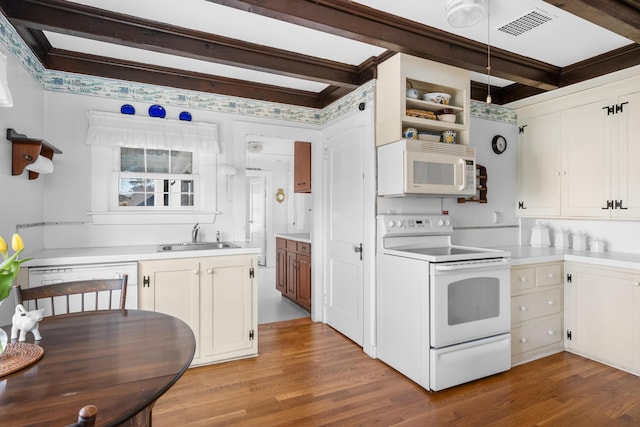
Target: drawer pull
(550, 333)
(523, 340)
(550, 302)
(523, 308)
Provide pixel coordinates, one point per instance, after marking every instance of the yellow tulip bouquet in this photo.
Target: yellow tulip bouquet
(10, 264)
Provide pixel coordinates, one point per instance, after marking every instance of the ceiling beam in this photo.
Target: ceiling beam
(621, 17)
(94, 65)
(358, 22)
(98, 24)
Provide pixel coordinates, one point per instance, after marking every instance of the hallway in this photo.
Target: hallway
(272, 306)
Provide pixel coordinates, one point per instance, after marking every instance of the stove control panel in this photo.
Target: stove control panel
(408, 225)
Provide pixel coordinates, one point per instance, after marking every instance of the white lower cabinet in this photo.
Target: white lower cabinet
(216, 296)
(603, 314)
(536, 311)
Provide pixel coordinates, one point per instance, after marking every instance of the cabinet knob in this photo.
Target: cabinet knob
(558, 173)
(209, 270)
(523, 308)
(523, 340)
(523, 279)
(196, 271)
(550, 302)
(550, 333)
(550, 275)
(636, 283)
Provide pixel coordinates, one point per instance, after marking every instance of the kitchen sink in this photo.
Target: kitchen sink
(190, 246)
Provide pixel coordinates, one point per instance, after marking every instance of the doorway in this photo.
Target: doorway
(258, 216)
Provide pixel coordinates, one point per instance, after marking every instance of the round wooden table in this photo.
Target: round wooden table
(120, 361)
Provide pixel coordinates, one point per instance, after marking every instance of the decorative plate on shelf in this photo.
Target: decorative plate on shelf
(157, 111)
(185, 116)
(127, 109)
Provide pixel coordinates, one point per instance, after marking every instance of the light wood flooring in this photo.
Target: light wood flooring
(307, 374)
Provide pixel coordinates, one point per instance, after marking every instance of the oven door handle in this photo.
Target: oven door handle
(502, 263)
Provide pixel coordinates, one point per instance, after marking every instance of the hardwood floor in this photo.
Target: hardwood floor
(309, 375)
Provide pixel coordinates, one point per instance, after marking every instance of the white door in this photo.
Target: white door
(343, 171)
(258, 215)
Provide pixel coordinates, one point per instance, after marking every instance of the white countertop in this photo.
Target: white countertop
(527, 255)
(72, 256)
(299, 237)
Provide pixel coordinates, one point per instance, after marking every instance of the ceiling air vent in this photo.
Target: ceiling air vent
(526, 22)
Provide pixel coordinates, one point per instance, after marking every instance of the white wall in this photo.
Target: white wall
(67, 195)
(474, 222)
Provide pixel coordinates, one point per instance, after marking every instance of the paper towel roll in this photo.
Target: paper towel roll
(41, 165)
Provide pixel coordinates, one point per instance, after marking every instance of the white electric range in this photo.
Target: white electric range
(443, 309)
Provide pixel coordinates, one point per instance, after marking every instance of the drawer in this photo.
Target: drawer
(292, 245)
(304, 248)
(522, 278)
(531, 306)
(549, 275)
(535, 334)
(281, 243)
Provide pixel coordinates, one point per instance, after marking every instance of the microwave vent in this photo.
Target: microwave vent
(441, 148)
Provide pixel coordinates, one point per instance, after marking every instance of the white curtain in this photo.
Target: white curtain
(5, 94)
(151, 132)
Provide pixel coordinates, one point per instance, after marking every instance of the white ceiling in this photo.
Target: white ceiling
(563, 41)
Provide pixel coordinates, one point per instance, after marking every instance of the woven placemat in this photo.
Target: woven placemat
(19, 355)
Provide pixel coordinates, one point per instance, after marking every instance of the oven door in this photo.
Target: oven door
(469, 300)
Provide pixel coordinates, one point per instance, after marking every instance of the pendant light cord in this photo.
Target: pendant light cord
(488, 51)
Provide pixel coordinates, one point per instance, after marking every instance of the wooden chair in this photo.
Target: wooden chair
(86, 417)
(95, 294)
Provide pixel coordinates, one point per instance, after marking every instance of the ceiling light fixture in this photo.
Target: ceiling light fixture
(465, 13)
(488, 52)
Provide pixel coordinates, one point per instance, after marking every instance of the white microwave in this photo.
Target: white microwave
(414, 167)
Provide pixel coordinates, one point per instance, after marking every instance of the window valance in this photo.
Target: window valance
(151, 132)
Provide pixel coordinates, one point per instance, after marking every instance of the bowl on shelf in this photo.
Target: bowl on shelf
(427, 136)
(437, 97)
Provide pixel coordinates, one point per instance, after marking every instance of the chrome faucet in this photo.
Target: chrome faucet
(218, 236)
(194, 233)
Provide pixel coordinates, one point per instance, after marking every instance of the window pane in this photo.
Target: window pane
(181, 162)
(186, 198)
(136, 192)
(158, 161)
(131, 159)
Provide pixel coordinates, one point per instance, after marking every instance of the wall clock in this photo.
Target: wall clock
(499, 144)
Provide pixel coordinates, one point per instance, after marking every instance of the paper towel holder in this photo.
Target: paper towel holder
(26, 151)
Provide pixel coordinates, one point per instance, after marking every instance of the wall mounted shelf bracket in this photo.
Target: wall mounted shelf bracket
(26, 151)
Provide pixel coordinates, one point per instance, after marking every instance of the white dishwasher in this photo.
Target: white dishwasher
(39, 276)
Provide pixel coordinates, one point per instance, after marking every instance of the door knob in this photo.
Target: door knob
(358, 249)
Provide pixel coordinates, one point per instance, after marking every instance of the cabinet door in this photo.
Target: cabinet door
(281, 270)
(604, 317)
(228, 307)
(628, 154)
(174, 289)
(292, 275)
(539, 166)
(586, 160)
(304, 281)
(302, 167)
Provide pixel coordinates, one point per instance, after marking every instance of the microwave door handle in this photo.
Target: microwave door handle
(460, 174)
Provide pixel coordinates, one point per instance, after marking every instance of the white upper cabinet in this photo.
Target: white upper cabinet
(576, 155)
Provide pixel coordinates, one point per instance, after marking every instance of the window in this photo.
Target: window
(150, 171)
(152, 178)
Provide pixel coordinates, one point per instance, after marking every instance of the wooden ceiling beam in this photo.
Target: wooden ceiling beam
(98, 24)
(620, 17)
(63, 60)
(358, 22)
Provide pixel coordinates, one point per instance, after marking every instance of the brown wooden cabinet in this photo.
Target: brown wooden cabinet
(302, 167)
(293, 271)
